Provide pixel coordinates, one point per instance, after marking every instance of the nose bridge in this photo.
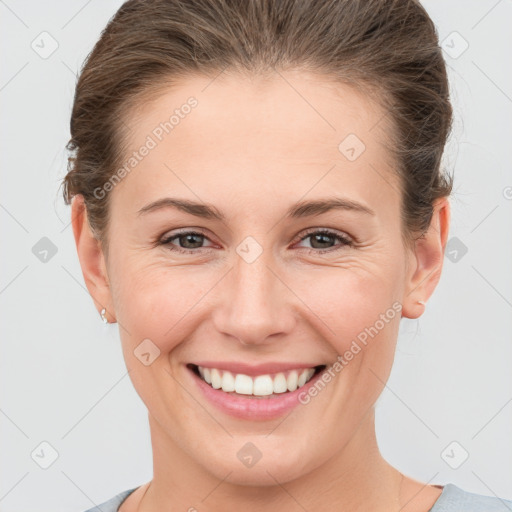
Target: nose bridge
(254, 308)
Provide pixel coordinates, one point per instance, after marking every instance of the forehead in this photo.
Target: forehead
(243, 138)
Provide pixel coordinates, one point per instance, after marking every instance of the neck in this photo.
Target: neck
(357, 478)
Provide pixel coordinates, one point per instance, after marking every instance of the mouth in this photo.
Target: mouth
(263, 386)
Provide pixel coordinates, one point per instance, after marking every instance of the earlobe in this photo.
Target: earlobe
(91, 257)
(426, 261)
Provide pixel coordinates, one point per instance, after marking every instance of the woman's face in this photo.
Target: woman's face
(258, 290)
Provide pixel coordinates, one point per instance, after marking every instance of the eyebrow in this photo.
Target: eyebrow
(296, 211)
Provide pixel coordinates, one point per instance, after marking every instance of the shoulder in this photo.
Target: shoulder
(113, 503)
(455, 499)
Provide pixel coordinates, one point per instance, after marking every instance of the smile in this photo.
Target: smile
(260, 385)
(253, 394)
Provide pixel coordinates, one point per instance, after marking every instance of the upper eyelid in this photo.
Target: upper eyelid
(330, 231)
(200, 231)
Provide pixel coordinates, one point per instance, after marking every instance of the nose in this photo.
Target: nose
(255, 306)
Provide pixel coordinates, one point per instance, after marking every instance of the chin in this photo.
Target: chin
(276, 464)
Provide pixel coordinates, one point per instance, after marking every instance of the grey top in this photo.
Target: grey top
(452, 499)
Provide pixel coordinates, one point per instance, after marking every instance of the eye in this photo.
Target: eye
(320, 240)
(189, 242)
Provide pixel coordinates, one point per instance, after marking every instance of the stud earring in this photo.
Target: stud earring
(103, 317)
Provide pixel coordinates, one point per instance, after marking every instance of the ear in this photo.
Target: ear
(426, 261)
(92, 260)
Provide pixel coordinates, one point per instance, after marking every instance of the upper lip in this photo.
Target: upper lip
(256, 369)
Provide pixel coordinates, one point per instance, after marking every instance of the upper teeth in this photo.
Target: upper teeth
(258, 386)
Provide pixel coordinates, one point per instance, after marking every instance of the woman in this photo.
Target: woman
(257, 200)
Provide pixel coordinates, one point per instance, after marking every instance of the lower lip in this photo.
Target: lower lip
(253, 408)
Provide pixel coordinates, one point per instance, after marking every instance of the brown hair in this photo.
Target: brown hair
(386, 45)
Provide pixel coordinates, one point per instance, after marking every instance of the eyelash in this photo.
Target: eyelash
(345, 241)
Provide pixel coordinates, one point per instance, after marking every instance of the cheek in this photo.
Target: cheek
(163, 303)
(356, 302)
(153, 301)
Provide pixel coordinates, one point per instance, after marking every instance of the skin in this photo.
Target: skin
(248, 140)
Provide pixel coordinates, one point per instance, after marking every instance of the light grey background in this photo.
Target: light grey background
(63, 379)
